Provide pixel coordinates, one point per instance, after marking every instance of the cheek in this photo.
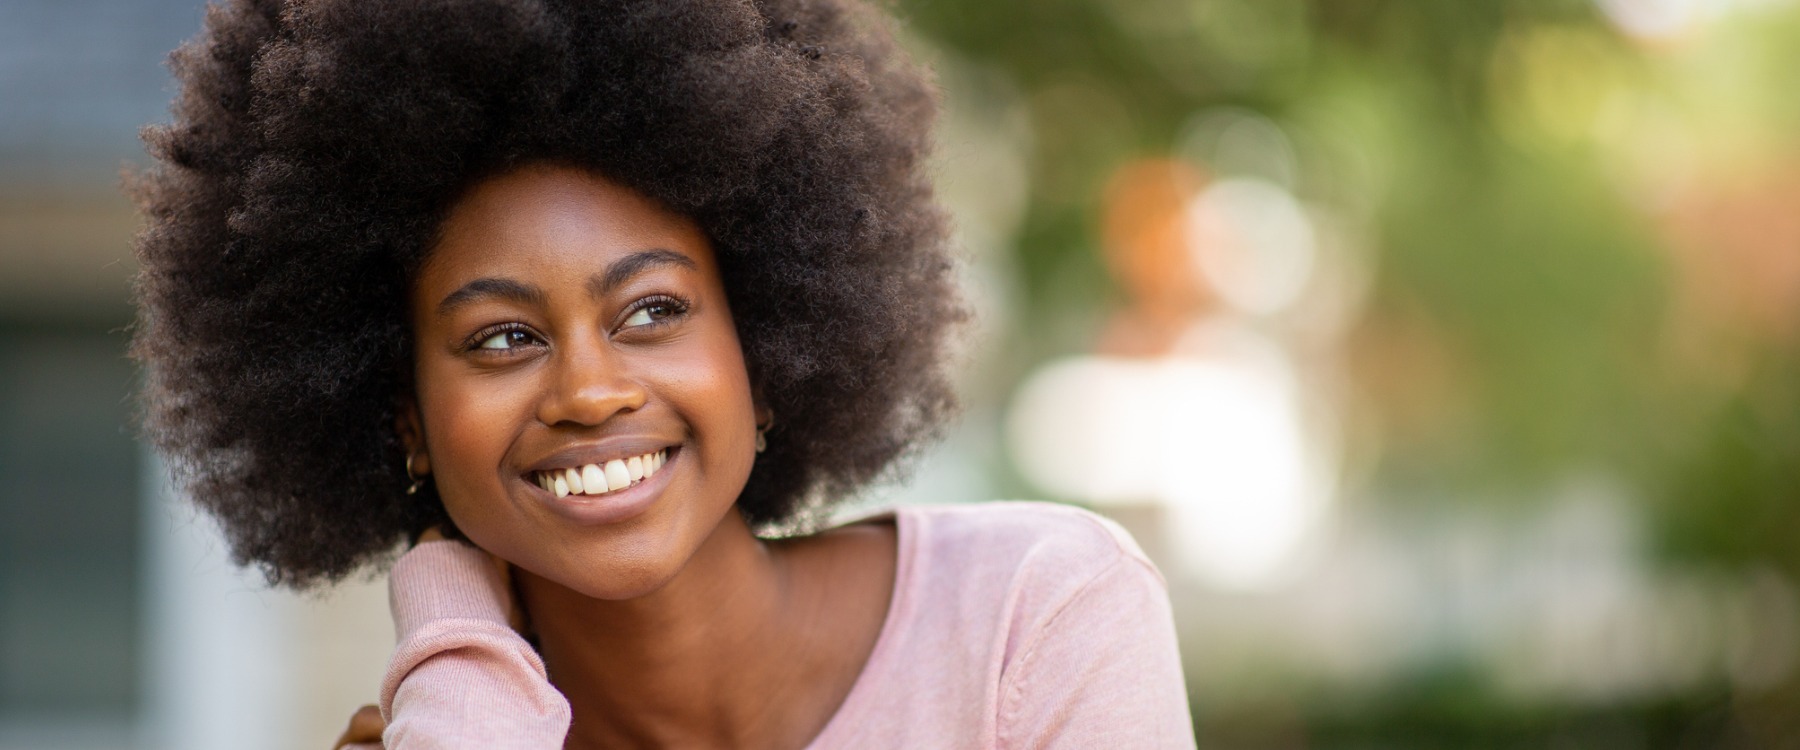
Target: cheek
(469, 426)
(721, 400)
(709, 390)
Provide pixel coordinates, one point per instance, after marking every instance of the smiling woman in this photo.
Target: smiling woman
(577, 295)
(566, 326)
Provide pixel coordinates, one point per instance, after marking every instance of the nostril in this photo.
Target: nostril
(587, 398)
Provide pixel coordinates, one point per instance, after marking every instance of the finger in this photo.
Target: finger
(432, 534)
(365, 726)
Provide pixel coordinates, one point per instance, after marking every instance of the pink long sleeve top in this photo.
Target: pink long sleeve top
(1012, 625)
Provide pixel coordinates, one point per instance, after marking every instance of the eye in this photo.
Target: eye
(652, 311)
(504, 340)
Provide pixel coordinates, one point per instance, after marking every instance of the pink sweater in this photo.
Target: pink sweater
(1012, 625)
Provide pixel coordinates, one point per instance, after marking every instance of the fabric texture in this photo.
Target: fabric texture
(1012, 625)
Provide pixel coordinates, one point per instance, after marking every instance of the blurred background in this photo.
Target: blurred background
(1445, 356)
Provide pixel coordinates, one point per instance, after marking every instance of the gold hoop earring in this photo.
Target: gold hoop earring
(762, 443)
(416, 482)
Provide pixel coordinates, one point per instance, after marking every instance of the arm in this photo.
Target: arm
(1103, 671)
(460, 676)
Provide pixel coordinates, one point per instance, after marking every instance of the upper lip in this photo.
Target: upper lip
(613, 449)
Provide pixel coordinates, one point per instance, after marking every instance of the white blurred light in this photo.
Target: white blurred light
(1650, 19)
(1218, 442)
(1078, 429)
(1666, 19)
(1233, 470)
(1671, 18)
(1253, 242)
(1234, 142)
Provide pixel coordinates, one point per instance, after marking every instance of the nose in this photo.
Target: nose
(588, 384)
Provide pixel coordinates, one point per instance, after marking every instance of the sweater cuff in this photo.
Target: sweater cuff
(445, 579)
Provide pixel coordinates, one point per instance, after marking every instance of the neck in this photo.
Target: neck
(702, 661)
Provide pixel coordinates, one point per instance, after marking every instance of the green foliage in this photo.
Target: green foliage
(1548, 282)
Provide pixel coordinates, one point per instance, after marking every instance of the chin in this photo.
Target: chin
(614, 575)
(621, 585)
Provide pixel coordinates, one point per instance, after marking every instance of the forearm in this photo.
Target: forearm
(460, 677)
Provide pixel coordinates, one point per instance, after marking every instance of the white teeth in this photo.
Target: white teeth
(593, 479)
(596, 479)
(617, 478)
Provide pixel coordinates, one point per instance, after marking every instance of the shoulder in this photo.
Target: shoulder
(1006, 608)
(1024, 533)
(1038, 555)
(1087, 656)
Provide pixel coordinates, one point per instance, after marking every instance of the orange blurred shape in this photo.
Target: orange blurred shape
(1144, 243)
(1144, 232)
(1736, 246)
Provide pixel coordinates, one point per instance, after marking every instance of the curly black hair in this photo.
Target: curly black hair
(316, 146)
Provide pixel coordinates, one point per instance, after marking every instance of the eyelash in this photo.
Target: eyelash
(474, 343)
(676, 305)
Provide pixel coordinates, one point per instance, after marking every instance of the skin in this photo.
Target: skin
(675, 626)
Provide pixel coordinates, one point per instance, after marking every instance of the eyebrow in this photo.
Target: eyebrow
(623, 269)
(618, 273)
(486, 288)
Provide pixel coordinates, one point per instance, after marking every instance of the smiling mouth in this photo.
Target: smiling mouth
(600, 479)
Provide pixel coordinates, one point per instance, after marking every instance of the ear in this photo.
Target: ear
(412, 435)
(765, 416)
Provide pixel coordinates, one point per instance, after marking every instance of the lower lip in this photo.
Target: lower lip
(612, 507)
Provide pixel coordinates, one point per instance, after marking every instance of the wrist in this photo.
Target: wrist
(445, 579)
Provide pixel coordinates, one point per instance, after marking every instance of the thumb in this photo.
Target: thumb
(366, 726)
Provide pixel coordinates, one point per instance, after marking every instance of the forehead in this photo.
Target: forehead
(553, 218)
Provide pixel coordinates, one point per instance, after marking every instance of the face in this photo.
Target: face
(569, 330)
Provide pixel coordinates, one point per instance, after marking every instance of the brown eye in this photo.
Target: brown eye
(504, 340)
(652, 312)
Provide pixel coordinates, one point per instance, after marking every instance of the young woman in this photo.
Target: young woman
(581, 295)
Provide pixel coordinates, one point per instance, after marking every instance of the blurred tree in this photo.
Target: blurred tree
(1481, 143)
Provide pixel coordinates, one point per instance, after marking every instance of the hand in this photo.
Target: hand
(366, 726)
(515, 611)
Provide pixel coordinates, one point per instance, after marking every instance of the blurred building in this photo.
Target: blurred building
(121, 625)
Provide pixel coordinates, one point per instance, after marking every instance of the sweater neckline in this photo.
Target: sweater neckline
(899, 602)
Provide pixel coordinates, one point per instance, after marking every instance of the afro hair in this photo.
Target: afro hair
(316, 146)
